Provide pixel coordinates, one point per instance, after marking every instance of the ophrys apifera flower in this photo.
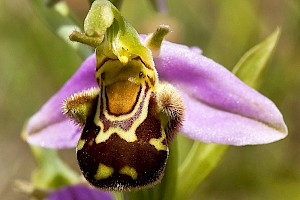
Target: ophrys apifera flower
(125, 103)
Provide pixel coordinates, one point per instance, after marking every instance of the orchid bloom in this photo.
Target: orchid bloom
(218, 107)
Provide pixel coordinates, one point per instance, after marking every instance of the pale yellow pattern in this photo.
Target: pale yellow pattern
(158, 142)
(129, 135)
(130, 171)
(80, 144)
(103, 172)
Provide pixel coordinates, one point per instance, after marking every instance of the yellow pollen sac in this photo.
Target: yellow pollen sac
(124, 59)
(103, 172)
(130, 171)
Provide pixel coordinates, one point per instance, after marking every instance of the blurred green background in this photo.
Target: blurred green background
(34, 63)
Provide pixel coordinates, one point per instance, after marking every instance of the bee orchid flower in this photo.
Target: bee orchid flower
(126, 102)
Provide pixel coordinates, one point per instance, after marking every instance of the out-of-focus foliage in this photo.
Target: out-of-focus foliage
(34, 63)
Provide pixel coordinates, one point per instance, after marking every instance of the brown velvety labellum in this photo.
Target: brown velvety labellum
(116, 164)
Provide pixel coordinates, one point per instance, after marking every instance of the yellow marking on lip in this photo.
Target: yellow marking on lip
(158, 142)
(130, 171)
(103, 172)
(80, 144)
(128, 135)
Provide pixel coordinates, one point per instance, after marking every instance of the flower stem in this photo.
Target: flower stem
(169, 182)
(118, 196)
(200, 161)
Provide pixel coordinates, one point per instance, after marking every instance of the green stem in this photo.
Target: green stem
(58, 18)
(137, 195)
(200, 161)
(118, 196)
(169, 182)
